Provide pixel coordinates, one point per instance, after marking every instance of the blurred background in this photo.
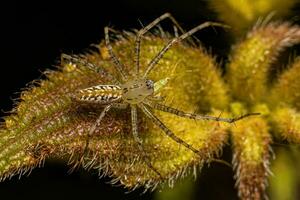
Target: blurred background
(35, 34)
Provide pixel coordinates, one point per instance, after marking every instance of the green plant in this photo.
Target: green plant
(47, 122)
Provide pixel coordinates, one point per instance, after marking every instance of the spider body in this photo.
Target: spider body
(132, 92)
(138, 91)
(102, 94)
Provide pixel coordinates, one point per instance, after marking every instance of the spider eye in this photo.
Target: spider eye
(149, 84)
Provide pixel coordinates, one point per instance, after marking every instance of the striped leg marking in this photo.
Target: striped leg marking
(168, 132)
(180, 113)
(139, 141)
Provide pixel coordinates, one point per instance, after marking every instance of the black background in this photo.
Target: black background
(35, 34)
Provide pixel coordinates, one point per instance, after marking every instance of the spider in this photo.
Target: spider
(138, 91)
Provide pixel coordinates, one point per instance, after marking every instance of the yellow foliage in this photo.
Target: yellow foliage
(242, 14)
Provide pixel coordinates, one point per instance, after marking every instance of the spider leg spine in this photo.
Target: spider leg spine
(74, 59)
(156, 59)
(118, 65)
(180, 113)
(101, 116)
(145, 30)
(165, 129)
(139, 140)
(91, 131)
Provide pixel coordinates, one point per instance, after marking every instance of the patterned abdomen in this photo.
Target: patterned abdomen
(103, 94)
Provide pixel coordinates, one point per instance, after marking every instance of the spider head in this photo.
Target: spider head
(135, 91)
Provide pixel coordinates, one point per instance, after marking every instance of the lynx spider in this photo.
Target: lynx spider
(138, 91)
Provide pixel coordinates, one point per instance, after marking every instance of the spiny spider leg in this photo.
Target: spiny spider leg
(180, 113)
(156, 59)
(78, 60)
(168, 132)
(145, 30)
(119, 66)
(93, 128)
(138, 139)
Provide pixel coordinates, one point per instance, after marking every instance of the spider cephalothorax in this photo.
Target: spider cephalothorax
(138, 91)
(135, 91)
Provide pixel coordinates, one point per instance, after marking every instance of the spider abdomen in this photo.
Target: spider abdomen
(103, 94)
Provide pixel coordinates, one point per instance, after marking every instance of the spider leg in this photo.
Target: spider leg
(93, 128)
(145, 30)
(119, 66)
(167, 131)
(156, 59)
(138, 139)
(78, 60)
(180, 113)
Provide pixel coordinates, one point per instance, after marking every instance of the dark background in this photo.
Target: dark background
(35, 34)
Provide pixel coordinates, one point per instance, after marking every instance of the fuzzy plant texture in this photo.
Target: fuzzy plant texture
(47, 122)
(242, 14)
